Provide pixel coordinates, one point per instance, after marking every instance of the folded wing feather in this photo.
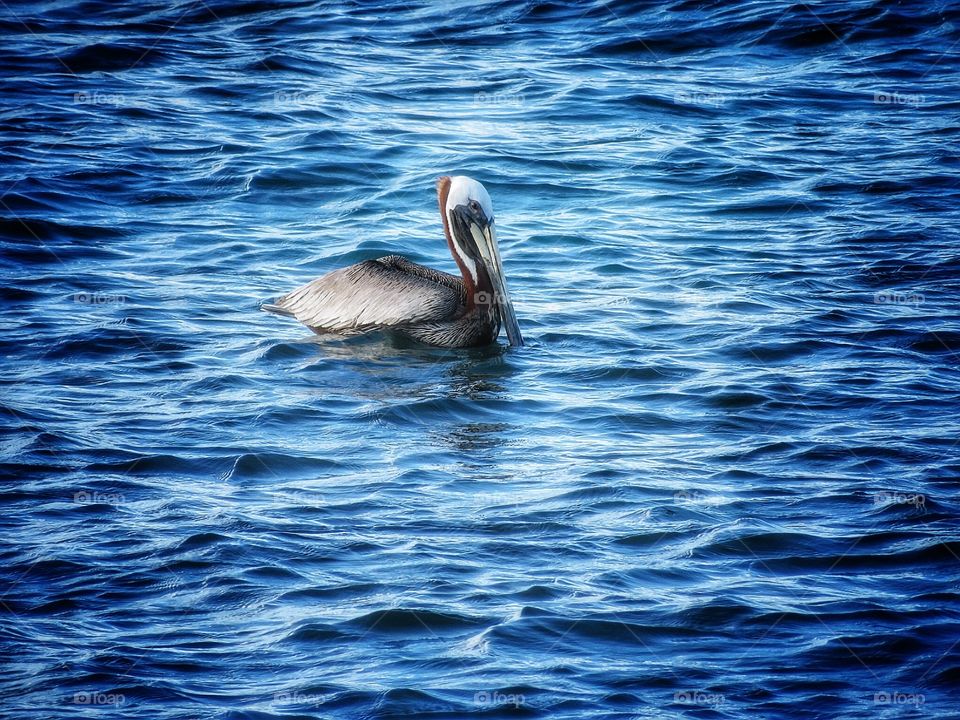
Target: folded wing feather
(383, 293)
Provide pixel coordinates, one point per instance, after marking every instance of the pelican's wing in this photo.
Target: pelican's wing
(381, 293)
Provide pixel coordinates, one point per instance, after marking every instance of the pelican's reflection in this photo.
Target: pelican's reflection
(455, 395)
(473, 438)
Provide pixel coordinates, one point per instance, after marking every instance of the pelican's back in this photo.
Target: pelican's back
(384, 293)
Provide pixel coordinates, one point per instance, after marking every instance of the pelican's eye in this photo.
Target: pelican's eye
(475, 206)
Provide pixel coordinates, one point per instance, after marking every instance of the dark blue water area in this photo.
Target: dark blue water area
(721, 480)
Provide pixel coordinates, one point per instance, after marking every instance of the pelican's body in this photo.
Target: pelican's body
(433, 307)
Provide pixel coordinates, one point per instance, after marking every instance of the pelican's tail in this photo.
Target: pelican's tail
(276, 309)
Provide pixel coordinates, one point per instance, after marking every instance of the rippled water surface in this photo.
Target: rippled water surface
(721, 479)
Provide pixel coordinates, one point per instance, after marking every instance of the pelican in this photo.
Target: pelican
(391, 293)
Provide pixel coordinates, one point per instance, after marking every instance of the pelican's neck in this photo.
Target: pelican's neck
(476, 279)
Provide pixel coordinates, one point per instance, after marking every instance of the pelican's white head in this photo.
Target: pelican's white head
(468, 220)
(464, 191)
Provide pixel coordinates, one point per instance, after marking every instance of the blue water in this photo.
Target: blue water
(721, 479)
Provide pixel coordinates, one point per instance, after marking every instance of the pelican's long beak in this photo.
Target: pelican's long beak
(486, 239)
